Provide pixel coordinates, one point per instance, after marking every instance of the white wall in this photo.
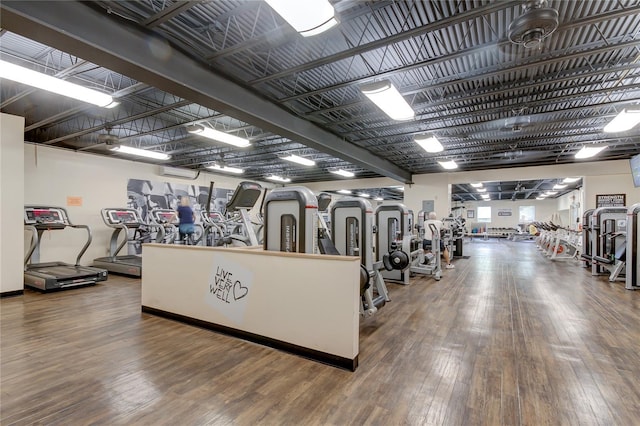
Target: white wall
(600, 177)
(11, 202)
(545, 209)
(52, 175)
(610, 184)
(308, 300)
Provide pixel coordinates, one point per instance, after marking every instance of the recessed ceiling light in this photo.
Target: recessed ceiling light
(344, 191)
(477, 185)
(364, 194)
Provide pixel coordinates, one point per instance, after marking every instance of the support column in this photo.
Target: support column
(11, 204)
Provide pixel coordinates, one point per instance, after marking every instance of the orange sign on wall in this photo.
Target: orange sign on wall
(74, 201)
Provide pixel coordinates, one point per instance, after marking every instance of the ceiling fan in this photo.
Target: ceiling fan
(534, 25)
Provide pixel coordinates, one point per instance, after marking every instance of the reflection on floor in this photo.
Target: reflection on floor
(504, 338)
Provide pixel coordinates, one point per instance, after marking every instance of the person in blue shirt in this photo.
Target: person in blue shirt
(186, 218)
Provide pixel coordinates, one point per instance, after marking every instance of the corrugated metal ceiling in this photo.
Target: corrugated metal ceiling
(492, 103)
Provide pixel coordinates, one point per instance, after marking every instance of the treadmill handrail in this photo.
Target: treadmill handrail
(34, 243)
(86, 246)
(114, 239)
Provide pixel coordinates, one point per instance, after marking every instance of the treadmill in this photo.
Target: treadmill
(127, 222)
(55, 275)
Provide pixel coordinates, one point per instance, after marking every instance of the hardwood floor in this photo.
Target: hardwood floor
(506, 338)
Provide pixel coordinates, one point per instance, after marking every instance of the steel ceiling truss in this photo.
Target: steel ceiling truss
(451, 60)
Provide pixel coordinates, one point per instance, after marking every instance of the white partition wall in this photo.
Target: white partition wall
(11, 204)
(301, 303)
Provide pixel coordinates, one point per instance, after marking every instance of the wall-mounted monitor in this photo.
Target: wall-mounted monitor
(635, 169)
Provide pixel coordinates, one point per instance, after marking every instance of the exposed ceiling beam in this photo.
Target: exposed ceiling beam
(76, 28)
(168, 13)
(389, 40)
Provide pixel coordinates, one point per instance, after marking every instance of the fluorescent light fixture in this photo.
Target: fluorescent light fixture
(306, 17)
(559, 186)
(344, 191)
(278, 178)
(430, 144)
(364, 194)
(225, 169)
(626, 120)
(540, 198)
(449, 165)
(485, 196)
(590, 151)
(481, 189)
(55, 85)
(378, 199)
(219, 136)
(388, 99)
(547, 193)
(299, 160)
(343, 173)
(140, 152)
(570, 180)
(477, 185)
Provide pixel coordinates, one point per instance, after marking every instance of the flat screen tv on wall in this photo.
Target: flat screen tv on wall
(635, 169)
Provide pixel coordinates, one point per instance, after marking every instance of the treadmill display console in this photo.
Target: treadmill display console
(44, 216)
(163, 216)
(214, 217)
(126, 217)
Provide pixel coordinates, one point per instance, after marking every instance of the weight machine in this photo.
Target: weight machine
(393, 232)
(608, 241)
(291, 219)
(633, 247)
(454, 231)
(587, 238)
(352, 234)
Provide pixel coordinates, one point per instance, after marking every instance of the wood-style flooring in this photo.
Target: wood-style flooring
(506, 338)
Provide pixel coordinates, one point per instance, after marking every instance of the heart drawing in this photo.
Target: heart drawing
(239, 291)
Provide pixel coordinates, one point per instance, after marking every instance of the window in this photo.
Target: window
(484, 214)
(527, 214)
